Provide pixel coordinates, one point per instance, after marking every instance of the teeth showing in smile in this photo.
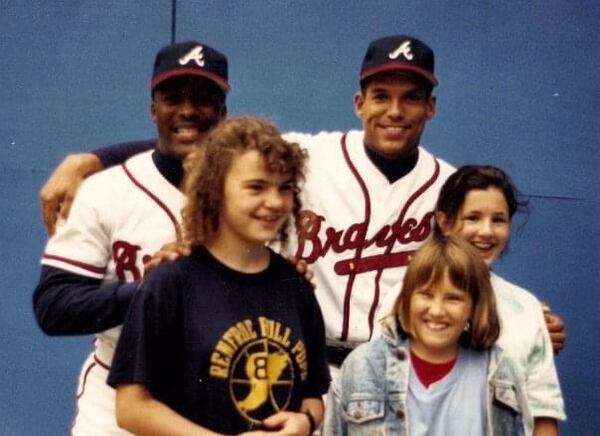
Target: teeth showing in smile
(436, 325)
(269, 218)
(186, 130)
(483, 245)
(395, 129)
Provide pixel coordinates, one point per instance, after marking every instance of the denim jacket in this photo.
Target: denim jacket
(371, 394)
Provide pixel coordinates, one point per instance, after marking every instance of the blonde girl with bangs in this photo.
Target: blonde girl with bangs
(229, 339)
(449, 262)
(435, 369)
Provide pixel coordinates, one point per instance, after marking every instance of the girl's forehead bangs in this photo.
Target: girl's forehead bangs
(432, 274)
(463, 275)
(428, 275)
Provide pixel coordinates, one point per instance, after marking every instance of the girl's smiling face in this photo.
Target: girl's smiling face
(484, 222)
(438, 315)
(256, 202)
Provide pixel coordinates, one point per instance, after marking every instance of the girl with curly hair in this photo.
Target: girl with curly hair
(229, 339)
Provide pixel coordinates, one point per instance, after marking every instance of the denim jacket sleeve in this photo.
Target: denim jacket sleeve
(333, 423)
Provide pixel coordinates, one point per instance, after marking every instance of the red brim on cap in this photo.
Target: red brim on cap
(191, 72)
(399, 67)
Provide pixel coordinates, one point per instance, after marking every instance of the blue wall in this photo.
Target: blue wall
(518, 88)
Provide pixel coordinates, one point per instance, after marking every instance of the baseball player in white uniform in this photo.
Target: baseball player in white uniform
(371, 193)
(359, 230)
(120, 217)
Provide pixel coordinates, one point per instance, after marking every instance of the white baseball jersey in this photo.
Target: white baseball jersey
(359, 230)
(119, 217)
(524, 336)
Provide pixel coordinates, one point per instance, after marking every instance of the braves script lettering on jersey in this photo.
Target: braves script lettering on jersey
(119, 217)
(359, 231)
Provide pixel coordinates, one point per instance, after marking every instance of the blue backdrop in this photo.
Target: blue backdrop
(518, 88)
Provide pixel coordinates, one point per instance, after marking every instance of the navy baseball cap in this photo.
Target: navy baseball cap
(399, 53)
(190, 58)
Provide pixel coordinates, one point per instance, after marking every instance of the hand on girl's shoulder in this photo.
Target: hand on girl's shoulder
(303, 269)
(167, 253)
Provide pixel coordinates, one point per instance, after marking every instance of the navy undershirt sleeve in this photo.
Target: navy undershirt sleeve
(147, 345)
(71, 304)
(116, 154)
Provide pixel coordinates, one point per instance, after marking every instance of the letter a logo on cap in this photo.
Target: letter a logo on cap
(195, 55)
(403, 49)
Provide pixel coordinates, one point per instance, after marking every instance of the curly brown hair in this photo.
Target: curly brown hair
(207, 167)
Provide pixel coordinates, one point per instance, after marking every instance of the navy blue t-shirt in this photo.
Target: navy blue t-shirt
(223, 348)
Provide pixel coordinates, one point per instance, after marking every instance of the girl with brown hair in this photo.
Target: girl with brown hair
(230, 338)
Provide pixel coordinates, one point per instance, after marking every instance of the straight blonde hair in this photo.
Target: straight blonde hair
(467, 271)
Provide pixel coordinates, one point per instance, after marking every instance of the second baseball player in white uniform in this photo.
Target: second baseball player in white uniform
(359, 230)
(371, 193)
(120, 217)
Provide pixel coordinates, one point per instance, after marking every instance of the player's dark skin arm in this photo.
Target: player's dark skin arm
(70, 304)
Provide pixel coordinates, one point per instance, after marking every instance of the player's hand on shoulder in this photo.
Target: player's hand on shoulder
(57, 194)
(303, 269)
(167, 253)
(556, 329)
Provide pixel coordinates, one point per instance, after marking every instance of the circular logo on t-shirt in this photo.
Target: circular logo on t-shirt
(262, 378)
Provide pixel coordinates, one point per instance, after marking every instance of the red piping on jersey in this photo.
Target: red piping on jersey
(86, 266)
(83, 384)
(151, 195)
(372, 263)
(101, 363)
(350, 283)
(85, 376)
(379, 262)
(416, 194)
(80, 394)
